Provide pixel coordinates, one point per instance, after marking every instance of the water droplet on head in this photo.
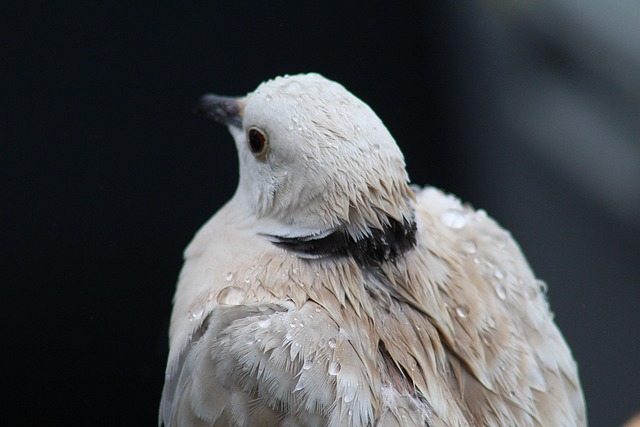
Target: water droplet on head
(332, 343)
(334, 368)
(293, 87)
(453, 218)
(268, 98)
(500, 291)
(289, 334)
(498, 274)
(462, 311)
(231, 295)
(229, 277)
(376, 148)
(250, 339)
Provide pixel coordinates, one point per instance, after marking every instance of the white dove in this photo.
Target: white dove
(328, 292)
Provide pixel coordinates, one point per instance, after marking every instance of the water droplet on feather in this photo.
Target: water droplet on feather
(469, 246)
(453, 218)
(196, 314)
(334, 368)
(491, 322)
(265, 323)
(462, 311)
(349, 393)
(231, 295)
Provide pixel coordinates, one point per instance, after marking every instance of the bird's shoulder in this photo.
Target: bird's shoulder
(492, 315)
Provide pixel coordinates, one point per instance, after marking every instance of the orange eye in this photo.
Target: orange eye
(258, 142)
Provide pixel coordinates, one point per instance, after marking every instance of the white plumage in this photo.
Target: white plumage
(328, 292)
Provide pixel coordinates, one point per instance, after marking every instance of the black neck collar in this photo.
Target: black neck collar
(380, 245)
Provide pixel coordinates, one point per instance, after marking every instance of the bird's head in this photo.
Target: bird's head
(313, 158)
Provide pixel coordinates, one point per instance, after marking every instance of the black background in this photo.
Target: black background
(107, 174)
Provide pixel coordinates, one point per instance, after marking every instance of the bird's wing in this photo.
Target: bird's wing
(197, 389)
(265, 365)
(507, 357)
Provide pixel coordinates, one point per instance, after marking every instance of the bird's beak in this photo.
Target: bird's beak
(223, 109)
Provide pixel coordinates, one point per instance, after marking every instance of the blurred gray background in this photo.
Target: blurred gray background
(529, 111)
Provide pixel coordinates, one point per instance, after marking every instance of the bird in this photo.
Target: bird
(332, 291)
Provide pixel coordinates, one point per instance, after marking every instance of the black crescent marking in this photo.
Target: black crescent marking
(380, 245)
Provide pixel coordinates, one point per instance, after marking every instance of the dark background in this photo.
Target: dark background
(530, 113)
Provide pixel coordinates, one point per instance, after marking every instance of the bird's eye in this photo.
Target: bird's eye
(258, 142)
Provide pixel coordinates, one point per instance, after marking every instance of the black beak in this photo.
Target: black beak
(223, 109)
